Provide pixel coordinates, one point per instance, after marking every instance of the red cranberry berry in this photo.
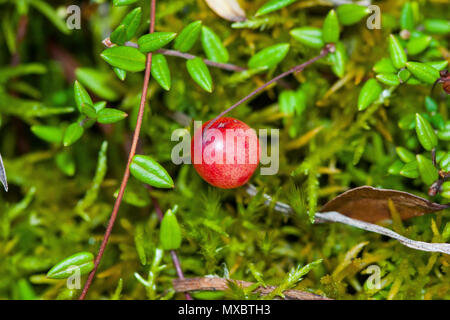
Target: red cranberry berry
(226, 154)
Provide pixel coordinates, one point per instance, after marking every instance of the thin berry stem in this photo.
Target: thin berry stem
(329, 48)
(126, 174)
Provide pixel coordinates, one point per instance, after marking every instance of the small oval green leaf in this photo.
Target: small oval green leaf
(309, 36)
(330, 29)
(82, 262)
(73, 133)
(418, 44)
(273, 5)
(119, 3)
(405, 155)
(81, 95)
(384, 66)
(423, 71)
(410, 170)
(427, 170)
(126, 58)
(389, 79)
(150, 172)
(269, 57)
(170, 232)
(213, 47)
(119, 35)
(188, 36)
(437, 26)
(110, 115)
(398, 55)
(407, 17)
(160, 71)
(154, 41)
(349, 14)
(48, 133)
(425, 133)
(368, 94)
(200, 73)
(132, 21)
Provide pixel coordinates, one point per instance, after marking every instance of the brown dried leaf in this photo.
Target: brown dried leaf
(227, 9)
(371, 204)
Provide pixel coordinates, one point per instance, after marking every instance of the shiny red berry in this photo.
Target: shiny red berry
(226, 154)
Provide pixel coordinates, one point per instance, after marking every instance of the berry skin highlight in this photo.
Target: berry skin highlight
(226, 154)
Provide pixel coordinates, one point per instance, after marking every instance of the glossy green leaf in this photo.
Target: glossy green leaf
(425, 133)
(445, 162)
(389, 79)
(418, 44)
(88, 110)
(368, 94)
(147, 170)
(154, 41)
(427, 170)
(446, 194)
(273, 5)
(73, 133)
(349, 14)
(160, 71)
(200, 73)
(99, 105)
(269, 57)
(398, 55)
(170, 232)
(330, 28)
(405, 155)
(396, 167)
(119, 35)
(81, 95)
(403, 75)
(384, 66)
(51, 134)
(338, 60)
(119, 3)
(410, 170)
(110, 115)
(407, 17)
(287, 102)
(213, 47)
(126, 58)
(188, 36)
(121, 74)
(430, 104)
(82, 262)
(437, 26)
(309, 36)
(132, 21)
(438, 65)
(423, 72)
(65, 162)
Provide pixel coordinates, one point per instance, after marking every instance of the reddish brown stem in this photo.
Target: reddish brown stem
(328, 48)
(126, 174)
(173, 53)
(176, 261)
(21, 32)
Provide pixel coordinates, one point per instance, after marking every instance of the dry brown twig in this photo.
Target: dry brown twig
(220, 284)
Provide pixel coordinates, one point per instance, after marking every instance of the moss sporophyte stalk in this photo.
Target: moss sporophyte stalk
(224, 150)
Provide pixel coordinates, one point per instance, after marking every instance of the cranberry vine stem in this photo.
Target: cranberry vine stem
(174, 53)
(329, 48)
(126, 174)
